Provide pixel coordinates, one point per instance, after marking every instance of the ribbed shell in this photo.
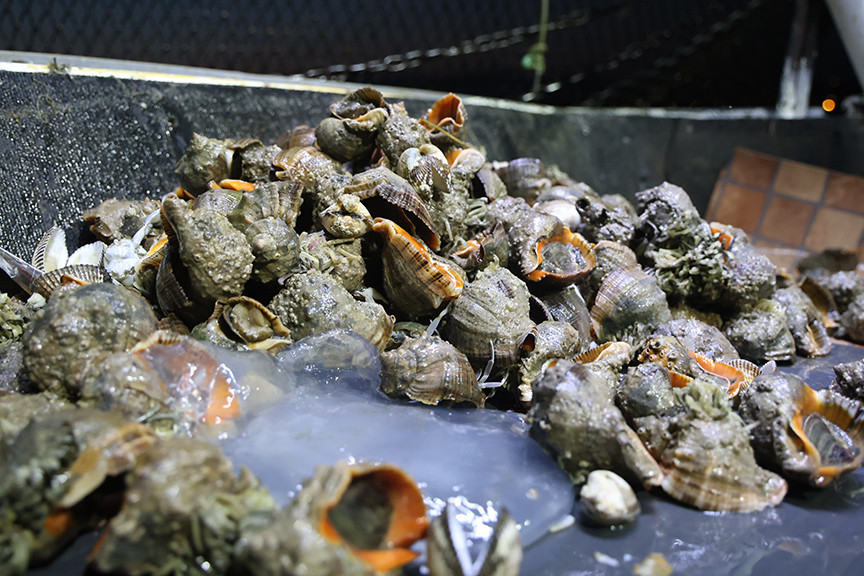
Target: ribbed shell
(429, 370)
(501, 555)
(416, 281)
(709, 462)
(731, 490)
(47, 283)
(493, 311)
(398, 201)
(628, 303)
(426, 169)
(567, 305)
(609, 256)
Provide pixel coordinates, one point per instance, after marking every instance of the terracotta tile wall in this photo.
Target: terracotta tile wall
(789, 208)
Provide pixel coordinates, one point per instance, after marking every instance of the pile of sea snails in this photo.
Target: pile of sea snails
(640, 340)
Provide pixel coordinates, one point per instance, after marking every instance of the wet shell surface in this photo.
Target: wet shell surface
(429, 370)
(708, 462)
(567, 305)
(575, 418)
(628, 306)
(551, 340)
(646, 389)
(608, 500)
(215, 255)
(347, 139)
(391, 196)
(275, 247)
(79, 327)
(761, 333)
(244, 323)
(804, 322)
(314, 302)
(416, 281)
(703, 339)
(609, 256)
(490, 320)
(811, 436)
(451, 553)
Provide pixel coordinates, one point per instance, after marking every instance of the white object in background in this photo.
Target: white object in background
(849, 17)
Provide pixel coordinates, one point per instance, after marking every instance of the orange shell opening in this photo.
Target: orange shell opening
(679, 380)
(233, 184)
(732, 375)
(193, 369)
(407, 525)
(724, 238)
(810, 402)
(60, 522)
(447, 112)
(566, 237)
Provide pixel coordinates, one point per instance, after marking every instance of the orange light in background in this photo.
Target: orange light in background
(828, 105)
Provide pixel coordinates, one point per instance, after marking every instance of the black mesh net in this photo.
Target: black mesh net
(606, 52)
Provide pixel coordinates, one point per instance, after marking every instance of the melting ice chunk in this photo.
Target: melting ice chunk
(331, 411)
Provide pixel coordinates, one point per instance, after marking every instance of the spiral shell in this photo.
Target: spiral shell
(575, 418)
(416, 281)
(706, 456)
(347, 139)
(314, 302)
(392, 197)
(215, 256)
(562, 259)
(804, 322)
(628, 306)
(523, 177)
(357, 103)
(429, 370)
(490, 319)
(811, 436)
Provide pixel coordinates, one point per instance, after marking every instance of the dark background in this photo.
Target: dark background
(669, 53)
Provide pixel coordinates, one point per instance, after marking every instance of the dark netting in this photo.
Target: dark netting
(600, 52)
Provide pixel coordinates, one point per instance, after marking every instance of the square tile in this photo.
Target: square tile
(781, 256)
(752, 169)
(845, 192)
(786, 220)
(800, 180)
(835, 229)
(738, 206)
